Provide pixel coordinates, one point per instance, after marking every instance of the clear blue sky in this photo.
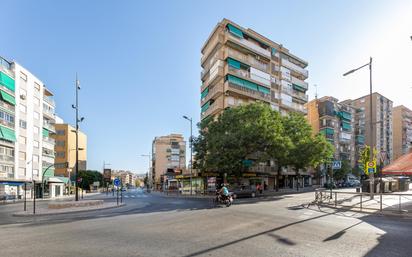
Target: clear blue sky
(139, 61)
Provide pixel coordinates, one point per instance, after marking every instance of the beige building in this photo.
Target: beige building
(65, 148)
(402, 131)
(168, 155)
(381, 133)
(242, 66)
(336, 122)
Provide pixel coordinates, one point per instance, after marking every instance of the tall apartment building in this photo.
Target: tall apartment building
(381, 119)
(168, 155)
(65, 149)
(26, 122)
(402, 131)
(337, 123)
(242, 66)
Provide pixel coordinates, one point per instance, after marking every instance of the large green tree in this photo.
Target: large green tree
(88, 177)
(306, 150)
(243, 133)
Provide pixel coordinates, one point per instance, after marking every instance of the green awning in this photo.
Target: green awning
(264, 90)
(242, 82)
(346, 126)
(8, 98)
(237, 32)
(205, 106)
(205, 92)
(233, 63)
(346, 115)
(327, 131)
(7, 134)
(299, 88)
(7, 81)
(45, 132)
(49, 172)
(274, 51)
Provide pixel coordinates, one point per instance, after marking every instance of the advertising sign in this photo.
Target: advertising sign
(107, 175)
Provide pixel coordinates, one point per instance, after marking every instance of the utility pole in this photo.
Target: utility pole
(191, 152)
(76, 107)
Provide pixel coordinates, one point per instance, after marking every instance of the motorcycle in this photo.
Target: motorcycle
(226, 200)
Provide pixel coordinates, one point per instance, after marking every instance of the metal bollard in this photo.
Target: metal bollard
(336, 199)
(381, 202)
(361, 202)
(400, 203)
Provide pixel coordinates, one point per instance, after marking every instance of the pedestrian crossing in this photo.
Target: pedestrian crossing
(134, 196)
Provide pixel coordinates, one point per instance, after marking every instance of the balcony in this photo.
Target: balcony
(249, 45)
(215, 73)
(247, 92)
(247, 59)
(49, 126)
(300, 96)
(49, 100)
(214, 41)
(6, 159)
(213, 108)
(7, 123)
(215, 91)
(49, 140)
(7, 106)
(48, 152)
(299, 108)
(295, 67)
(299, 83)
(345, 138)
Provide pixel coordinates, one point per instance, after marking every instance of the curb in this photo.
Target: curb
(58, 213)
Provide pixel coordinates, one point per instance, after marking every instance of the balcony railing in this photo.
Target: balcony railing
(49, 100)
(295, 67)
(7, 106)
(248, 92)
(213, 108)
(255, 48)
(300, 83)
(49, 126)
(49, 140)
(6, 158)
(218, 88)
(7, 123)
(301, 96)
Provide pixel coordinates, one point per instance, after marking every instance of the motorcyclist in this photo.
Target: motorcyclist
(223, 192)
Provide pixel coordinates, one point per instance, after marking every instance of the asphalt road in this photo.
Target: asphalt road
(152, 225)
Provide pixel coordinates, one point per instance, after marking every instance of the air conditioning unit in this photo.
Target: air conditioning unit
(23, 97)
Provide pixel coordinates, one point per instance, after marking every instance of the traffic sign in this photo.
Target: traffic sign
(116, 182)
(336, 165)
(370, 167)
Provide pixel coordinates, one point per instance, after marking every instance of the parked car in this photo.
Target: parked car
(244, 191)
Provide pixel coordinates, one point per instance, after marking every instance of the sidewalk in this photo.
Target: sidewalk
(281, 191)
(64, 197)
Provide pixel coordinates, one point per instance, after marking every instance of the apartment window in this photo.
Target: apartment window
(60, 154)
(6, 151)
(22, 140)
(37, 86)
(60, 165)
(23, 76)
(60, 132)
(23, 108)
(60, 143)
(36, 115)
(36, 144)
(23, 124)
(35, 158)
(22, 156)
(36, 101)
(22, 171)
(7, 117)
(23, 92)
(7, 169)
(36, 130)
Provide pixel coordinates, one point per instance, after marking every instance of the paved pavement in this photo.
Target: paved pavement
(152, 225)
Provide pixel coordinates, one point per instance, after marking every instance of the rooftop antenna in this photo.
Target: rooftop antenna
(316, 91)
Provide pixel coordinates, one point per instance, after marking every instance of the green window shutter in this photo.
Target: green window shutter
(233, 63)
(274, 51)
(7, 81)
(8, 98)
(7, 134)
(205, 106)
(299, 88)
(237, 32)
(326, 131)
(264, 90)
(242, 82)
(45, 133)
(346, 126)
(346, 115)
(205, 92)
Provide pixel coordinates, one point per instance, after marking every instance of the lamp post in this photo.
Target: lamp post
(371, 175)
(150, 173)
(68, 163)
(191, 151)
(76, 107)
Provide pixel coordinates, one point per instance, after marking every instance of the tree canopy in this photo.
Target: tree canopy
(256, 132)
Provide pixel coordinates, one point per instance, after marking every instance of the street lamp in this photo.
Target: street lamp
(69, 170)
(371, 175)
(76, 107)
(191, 150)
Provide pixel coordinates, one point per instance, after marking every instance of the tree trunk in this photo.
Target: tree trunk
(277, 178)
